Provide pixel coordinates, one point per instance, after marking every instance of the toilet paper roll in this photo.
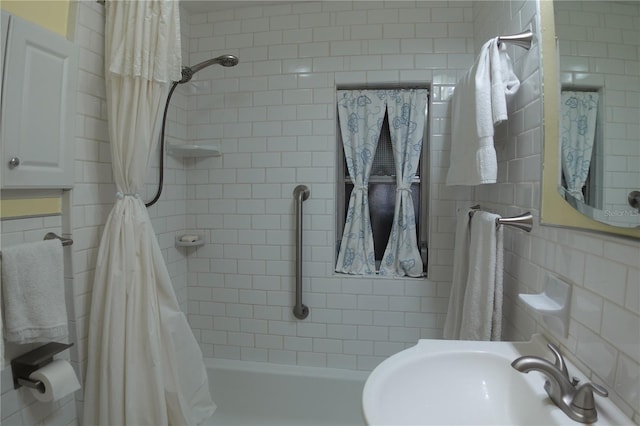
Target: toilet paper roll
(58, 378)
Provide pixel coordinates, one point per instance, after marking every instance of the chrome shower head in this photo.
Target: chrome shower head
(227, 60)
(224, 60)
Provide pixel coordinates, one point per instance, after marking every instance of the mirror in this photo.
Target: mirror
(590, 52)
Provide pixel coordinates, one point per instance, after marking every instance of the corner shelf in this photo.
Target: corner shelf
(196, 243)
(193, 150)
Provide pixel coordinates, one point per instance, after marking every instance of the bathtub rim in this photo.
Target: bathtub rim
(295, 370)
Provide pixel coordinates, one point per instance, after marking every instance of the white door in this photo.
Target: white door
(38, 108)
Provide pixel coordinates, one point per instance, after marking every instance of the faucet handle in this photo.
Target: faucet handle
(600, 390)
(583, 398)
(559, 360)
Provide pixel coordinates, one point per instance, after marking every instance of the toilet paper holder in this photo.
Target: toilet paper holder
(25, 364)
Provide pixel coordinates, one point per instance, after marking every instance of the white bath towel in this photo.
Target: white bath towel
(460, 274)
(479, 102)
(33, 292)
(482, 306)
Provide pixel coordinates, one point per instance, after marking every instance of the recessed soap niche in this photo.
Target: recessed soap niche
(553, 304)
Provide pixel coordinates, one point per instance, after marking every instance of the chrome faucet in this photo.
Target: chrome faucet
(575, 401)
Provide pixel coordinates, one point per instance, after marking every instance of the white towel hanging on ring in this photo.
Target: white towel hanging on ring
(479, 102)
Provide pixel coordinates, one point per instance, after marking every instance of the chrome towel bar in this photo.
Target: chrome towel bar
(52, 236)
(523, 221)
(523, 39)
(63, 240)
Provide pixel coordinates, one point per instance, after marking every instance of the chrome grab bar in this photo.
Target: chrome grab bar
(300, 193)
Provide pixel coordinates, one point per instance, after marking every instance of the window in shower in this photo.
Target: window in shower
(382, 185)
(581, 136)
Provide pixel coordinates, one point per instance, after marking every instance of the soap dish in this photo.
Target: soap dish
(199, 241)
(553, 304)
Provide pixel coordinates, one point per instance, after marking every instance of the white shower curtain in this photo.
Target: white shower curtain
(579, 111)
(144, 365)
(406, 109)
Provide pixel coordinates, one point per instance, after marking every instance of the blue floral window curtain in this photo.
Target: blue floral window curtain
(361, 114)
(407, 110)
(579, 111)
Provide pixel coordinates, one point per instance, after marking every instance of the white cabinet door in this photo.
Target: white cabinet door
(38, 108)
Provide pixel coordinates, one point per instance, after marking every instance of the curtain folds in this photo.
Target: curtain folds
(361, 114)
(144, 365)
(406, 109)
(579, 111)
(144, 40)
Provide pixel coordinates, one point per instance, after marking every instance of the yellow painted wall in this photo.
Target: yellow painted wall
(50, 14)
(14, 208)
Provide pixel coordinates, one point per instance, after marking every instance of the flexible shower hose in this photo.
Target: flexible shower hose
(164, 123)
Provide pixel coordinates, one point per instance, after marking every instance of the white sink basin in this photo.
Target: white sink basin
(448, 382)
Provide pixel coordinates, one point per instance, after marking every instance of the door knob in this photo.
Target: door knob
(14, 162)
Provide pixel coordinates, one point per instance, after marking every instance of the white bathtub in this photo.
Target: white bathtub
(254, 393)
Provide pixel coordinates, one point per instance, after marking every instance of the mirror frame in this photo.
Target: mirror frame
(554, 209)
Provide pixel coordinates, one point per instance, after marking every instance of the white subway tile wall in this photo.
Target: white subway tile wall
(92, 199)
(604, 336)
(274, 117)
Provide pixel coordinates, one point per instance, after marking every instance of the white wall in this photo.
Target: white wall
(603, 339)
(274, 116)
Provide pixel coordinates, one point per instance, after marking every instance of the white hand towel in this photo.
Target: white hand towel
(482, 306)
(460, 274)
(33, 292)
(479, 102)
